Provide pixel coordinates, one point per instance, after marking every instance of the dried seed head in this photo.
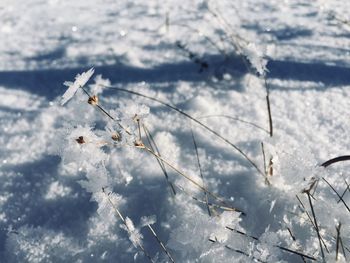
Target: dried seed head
(93, 100)
(270, 168)
(136, 118)
(116, 137)
(139, 144)
(80, 140)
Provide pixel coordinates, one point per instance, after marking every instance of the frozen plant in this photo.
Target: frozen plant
(256, 57)
(85, 146)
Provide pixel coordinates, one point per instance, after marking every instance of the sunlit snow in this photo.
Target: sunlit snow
(166, 155)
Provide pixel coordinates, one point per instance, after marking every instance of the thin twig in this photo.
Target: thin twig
(314, 188)
(338, 241)
(264, 157)
(335, 160)
(115, 208)
(161, 243)
(307, 213)
(98, 106)
(237, 250)
(190, 179)
(316, 226)
(291, 234)
(342, 247)
(200, 170)
(155, 148)
(265, 168)
(243, 253)
(235, 119)
(226, 208)
(105, 112)
(311, 221)
(345, 191)
(294, 239)
(278, 246)
(268, 106)
(139, 129)
(194, 120)
(342, 200)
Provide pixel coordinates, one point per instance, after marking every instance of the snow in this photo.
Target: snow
(79, 183)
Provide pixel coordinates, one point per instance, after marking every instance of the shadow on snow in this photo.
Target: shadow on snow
(49, 82)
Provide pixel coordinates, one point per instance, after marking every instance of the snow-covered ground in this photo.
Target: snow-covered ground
(60, 195)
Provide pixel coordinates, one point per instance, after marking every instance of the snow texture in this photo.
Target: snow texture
(182, 168)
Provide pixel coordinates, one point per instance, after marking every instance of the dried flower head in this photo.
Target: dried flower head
(139, 144)
(80, 140)
(136, 118)
(93, 100)
(116, 136)
(270, 168)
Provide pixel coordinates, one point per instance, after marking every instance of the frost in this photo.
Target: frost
(97, 179)
(272, 205)
(80, 81)
(148, 220)
(105, 209)
(119, 135)
(266, 249)
(256, 57)
(195, 230)
(39, 245)
(82, 146)
(134, 235)
(100, 154)
(136, 111)
(57, 190)
(99, 85)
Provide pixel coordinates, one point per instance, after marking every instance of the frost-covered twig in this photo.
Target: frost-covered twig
(139, 144)
(268, 106)
(161, 243)
(181, 112)
(278, 246)
(237, 251)
(80, 81)
(155, 149)
(128, 225)
(225, 208)
(200, 170)
(191, 180)
(346, 190)
(265, 167)
(308, 215)
(194, 120)
(335, 191)
(316, 226)
(93, 100)
(194, 57)
(235, 119)
(250, 51)
(338, 241)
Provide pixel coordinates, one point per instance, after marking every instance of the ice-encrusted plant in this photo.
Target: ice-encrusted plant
(226, 36)
(87, 147)
(88, 144)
